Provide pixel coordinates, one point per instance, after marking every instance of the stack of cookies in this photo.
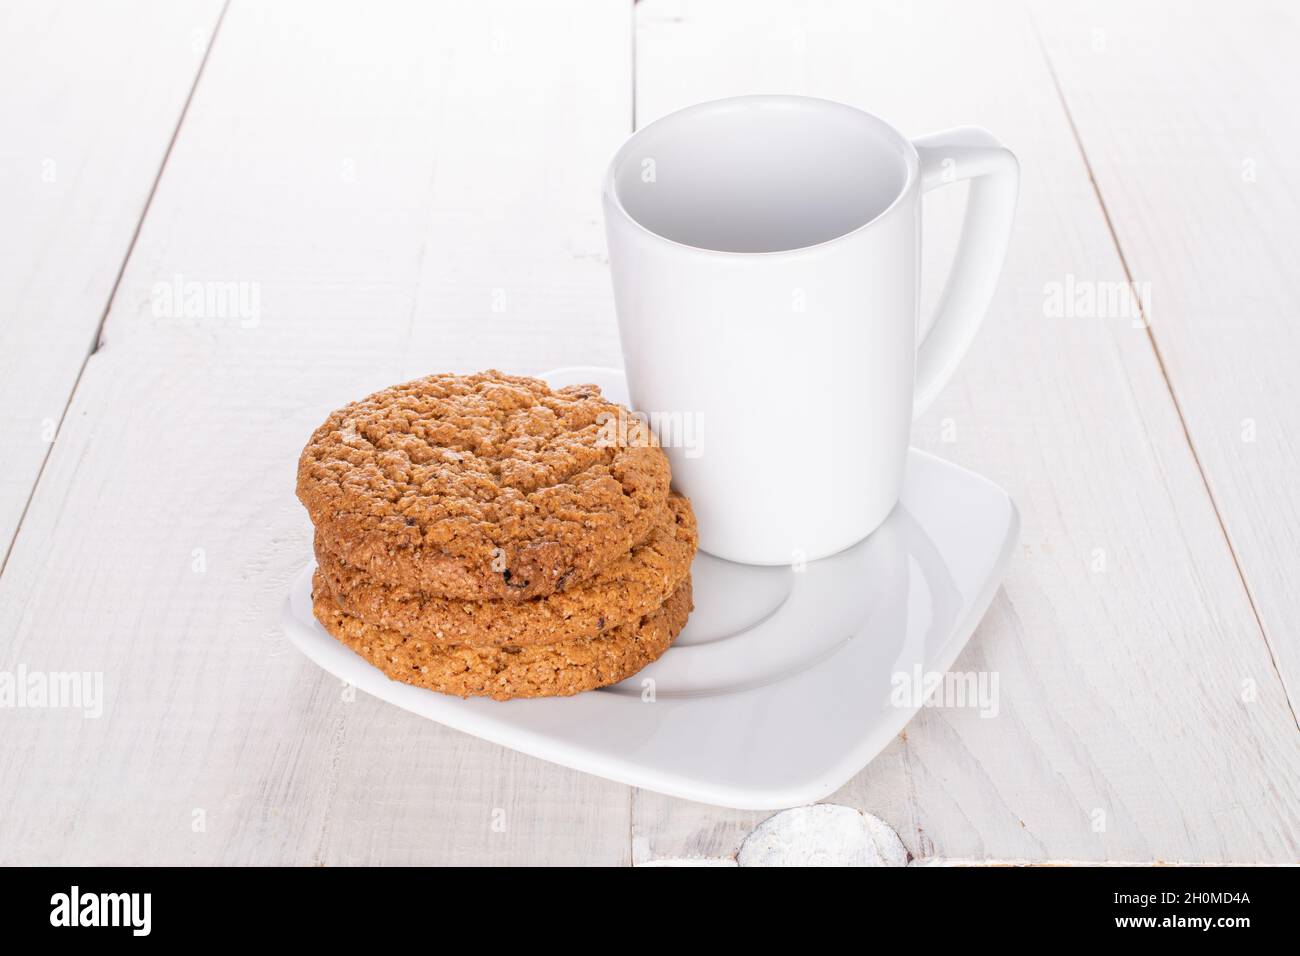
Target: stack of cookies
(486, 535)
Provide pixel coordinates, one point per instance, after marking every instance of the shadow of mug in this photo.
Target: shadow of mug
(754, 626)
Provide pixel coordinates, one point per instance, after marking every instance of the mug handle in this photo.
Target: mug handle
(950, 156)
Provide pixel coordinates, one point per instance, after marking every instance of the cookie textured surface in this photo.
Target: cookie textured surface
(482, 487)
(622, 591)
(503, 673)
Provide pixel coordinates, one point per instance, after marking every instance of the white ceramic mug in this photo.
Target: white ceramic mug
(765, 254)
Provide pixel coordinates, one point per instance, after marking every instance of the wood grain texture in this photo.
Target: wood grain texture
(1141, 717)
(373, 173)
(390, 189)
(1188, 117)
(86, 124)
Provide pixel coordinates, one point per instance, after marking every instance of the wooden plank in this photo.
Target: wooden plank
(86, 125)
(370, 174)
(1140, 715)
(1187, 114)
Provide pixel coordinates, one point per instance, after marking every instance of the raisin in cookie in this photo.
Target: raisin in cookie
(483, 487)
(542, 670)
(630, 586)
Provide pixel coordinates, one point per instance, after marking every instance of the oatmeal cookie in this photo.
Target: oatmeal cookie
(482, 487)
(627, 588)
(544, 670)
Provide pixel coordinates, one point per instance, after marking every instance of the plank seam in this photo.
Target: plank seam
(96, 341)
(1160, 363)
(632, 11)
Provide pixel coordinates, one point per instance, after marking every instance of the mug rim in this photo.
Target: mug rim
(911, 158)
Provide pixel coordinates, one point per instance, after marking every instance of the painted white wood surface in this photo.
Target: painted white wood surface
(1123, 635)
(378, 171)
(85, 126)
(1189, 121)
(413, 187)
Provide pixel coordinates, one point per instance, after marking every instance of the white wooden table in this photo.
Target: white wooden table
(403, 188)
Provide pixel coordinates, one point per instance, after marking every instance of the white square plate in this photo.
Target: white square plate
(782, 685)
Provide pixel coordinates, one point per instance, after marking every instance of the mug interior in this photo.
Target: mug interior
(760, 173)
